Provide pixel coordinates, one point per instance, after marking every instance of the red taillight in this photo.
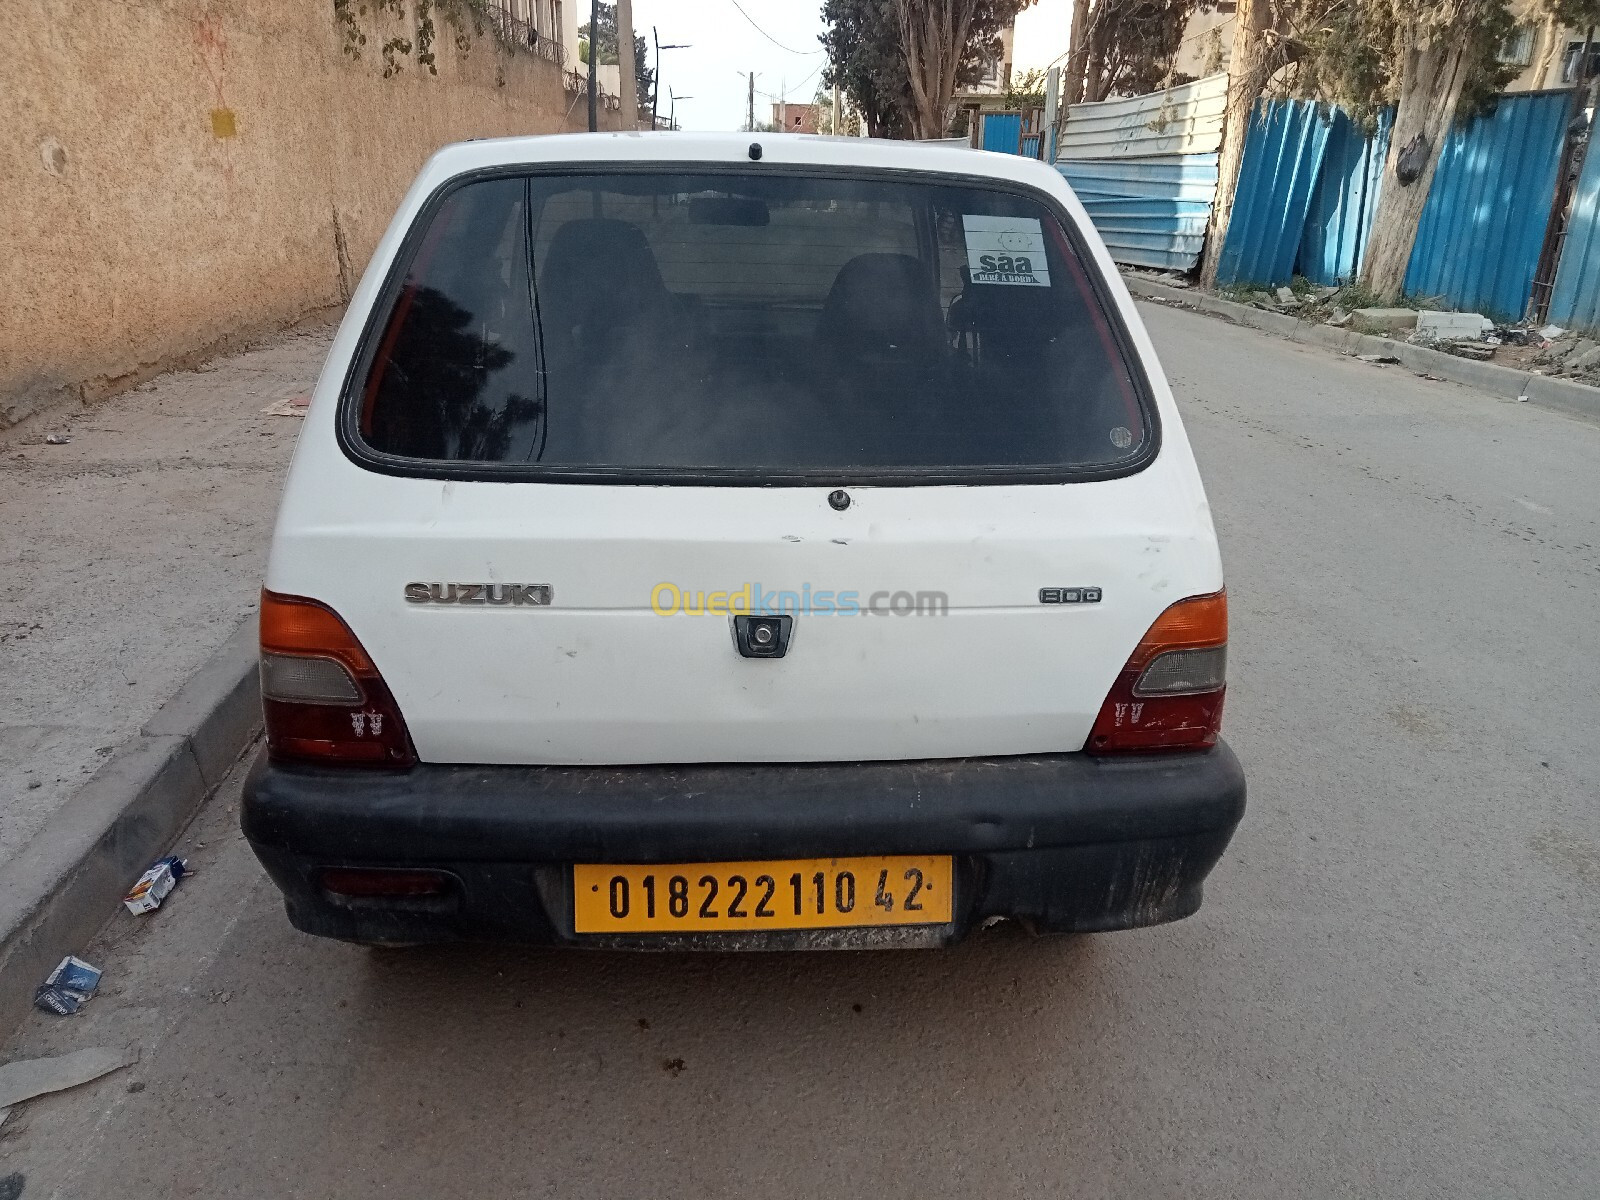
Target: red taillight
(1169, 694)
(324, 700)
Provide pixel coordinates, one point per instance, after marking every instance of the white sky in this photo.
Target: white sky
(723, 43)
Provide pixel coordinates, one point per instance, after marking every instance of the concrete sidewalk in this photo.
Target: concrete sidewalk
(130, 555)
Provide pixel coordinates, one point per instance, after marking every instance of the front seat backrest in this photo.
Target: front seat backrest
(883, 310)
(599, 274)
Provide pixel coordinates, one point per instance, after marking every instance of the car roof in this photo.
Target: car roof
(954, 156)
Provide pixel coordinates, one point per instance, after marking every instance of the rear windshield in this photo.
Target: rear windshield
(755, 327)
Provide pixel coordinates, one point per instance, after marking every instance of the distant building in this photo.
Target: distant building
(996, 77)
(1207, 40)
(795, 118)
(549, 27)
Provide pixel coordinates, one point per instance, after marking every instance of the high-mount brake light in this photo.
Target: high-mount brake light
(324, 700)
(1169, 694)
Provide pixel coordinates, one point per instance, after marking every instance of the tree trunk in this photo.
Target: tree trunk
(1247, 76)
(1552, 37)
(1096, 79)
(1431, 79)
(1077, 52)
(933, 34)
(626, 63)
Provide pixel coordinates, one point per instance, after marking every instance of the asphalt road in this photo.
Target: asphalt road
(1390, 990)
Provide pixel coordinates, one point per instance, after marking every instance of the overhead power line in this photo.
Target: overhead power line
(789, 88)
(770, 38)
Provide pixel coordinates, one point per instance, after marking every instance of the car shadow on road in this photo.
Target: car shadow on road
(693, 1053)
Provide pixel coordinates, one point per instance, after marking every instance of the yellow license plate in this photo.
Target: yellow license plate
(805, 893)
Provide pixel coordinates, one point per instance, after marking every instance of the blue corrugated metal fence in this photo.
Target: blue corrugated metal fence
(1308, 188)
(1478, 243)
(1576, 300)
(1341, 209)
(1282, 157)
(1002, 131)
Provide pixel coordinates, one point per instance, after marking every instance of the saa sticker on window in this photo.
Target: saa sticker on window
(1007, 250)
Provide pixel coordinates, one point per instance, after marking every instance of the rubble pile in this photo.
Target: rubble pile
(1544, 350)
(1565, 353)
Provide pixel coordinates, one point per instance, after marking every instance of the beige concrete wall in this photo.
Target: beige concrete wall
(1207, 42)
(177, 176)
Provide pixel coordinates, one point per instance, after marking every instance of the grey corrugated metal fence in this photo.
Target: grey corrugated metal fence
(1151, 211)
(1146, 170)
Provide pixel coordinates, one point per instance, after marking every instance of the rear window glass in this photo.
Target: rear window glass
(753, 326)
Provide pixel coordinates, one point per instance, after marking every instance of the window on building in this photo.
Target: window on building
(1517, 49)
(1573, 55)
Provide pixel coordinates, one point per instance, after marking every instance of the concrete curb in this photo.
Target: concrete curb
(67, 880)
(1563, 395)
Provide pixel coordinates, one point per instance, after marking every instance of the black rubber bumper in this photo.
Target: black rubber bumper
(1061, 842)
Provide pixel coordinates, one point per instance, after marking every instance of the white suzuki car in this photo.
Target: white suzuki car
(698, 542)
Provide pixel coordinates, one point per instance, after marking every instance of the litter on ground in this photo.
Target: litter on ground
(155, 885)
(294, 406)
(30, 1077)
(69, 987)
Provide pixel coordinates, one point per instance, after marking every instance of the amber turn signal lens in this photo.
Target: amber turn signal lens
(1191, 624)
(293, 625)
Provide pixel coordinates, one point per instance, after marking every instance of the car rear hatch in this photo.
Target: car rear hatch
(599, 419)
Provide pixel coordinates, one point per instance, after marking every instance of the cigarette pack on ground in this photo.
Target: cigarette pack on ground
(155, 885)
(70, 984)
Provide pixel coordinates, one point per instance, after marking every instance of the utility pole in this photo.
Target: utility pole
(655, 87)
(672, 108)
(834, 123)
(594, 58)
(750, 101)
(625, 65)
(1052, 100)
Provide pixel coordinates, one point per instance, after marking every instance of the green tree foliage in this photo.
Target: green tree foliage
(1026, 90)
(1575, 14)
(862, 38)
(643, 76)
(1354, 52)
